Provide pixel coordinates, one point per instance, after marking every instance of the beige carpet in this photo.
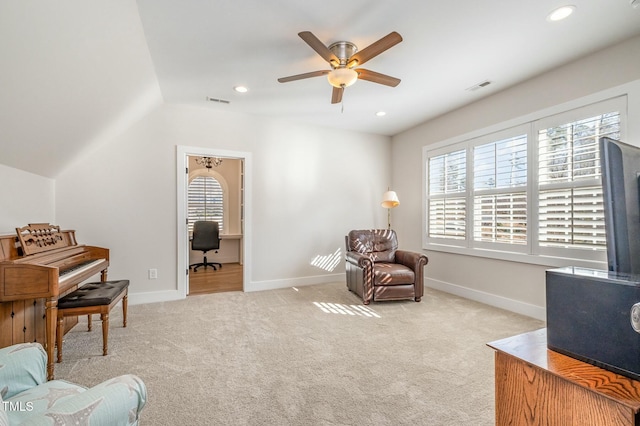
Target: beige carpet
(307, 356)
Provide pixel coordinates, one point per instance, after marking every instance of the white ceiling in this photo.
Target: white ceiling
(72, 72)
(205, 48)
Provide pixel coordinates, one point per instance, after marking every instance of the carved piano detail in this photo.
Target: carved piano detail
(39, 265)
(39, 237)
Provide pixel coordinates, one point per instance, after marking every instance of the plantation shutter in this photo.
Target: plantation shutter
(500, 196)
(205, 201)
(447, 199)
(571, 211)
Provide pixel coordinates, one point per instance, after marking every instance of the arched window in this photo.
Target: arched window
(205, 201)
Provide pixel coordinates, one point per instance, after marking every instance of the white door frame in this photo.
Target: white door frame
(182, 163)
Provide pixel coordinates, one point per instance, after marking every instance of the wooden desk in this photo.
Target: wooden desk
(230, 250)
(537, 386)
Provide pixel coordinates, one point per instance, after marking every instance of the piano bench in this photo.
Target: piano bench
(93, 298)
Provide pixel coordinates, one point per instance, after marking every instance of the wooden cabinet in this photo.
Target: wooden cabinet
(22, 321)
(537, 386)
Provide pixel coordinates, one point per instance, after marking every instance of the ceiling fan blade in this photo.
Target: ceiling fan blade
(303, 76)
(336, 95)
(376, 77)
(375, 49)
(319, 47)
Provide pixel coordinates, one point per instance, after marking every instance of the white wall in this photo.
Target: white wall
(26, 198)
(74, 73)
(310, 187)
(516, 286)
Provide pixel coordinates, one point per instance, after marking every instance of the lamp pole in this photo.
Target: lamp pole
(389, 201)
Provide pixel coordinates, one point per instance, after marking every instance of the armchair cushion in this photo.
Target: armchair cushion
(117, 401)
(4, 420)
(392, 274)
(22, 367)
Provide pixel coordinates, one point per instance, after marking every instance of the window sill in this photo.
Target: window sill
(550, 261)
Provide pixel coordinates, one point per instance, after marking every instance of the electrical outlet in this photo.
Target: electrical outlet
(153, 274)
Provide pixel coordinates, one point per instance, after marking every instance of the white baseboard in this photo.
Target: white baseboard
(501, 302)
(153, 297)
(294, 282)
(170, 295)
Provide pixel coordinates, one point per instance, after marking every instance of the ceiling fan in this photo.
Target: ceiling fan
(344, 58)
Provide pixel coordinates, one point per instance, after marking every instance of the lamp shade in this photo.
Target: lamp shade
(390, 200)
(342, 77)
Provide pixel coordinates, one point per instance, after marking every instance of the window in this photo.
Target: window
(533, 189)
(205, 201)
(447, 209)
(500, 196)
(571, 211)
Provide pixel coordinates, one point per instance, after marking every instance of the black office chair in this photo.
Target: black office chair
(206, 236)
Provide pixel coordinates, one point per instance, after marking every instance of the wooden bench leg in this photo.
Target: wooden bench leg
(124, 309)
(105, 333)
(89, 322)
(59, 333)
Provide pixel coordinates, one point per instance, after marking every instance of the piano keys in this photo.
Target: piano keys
(37, 266)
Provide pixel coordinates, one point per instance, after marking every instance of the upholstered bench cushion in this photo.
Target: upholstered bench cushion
(93, 294)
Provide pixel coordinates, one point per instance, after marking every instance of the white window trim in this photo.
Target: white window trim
(615, 98)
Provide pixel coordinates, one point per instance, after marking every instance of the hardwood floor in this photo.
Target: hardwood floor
(227, 278)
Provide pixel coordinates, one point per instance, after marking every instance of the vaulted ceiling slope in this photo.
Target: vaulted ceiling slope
(72, 72)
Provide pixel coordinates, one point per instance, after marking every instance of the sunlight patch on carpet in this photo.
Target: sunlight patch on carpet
(339, 308)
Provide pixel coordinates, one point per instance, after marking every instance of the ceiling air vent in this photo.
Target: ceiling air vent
(220, 101)
(479, 86)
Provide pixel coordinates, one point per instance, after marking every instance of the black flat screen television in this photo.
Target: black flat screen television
(620, 169)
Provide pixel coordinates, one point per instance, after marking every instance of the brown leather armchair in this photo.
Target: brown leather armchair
(377, 270)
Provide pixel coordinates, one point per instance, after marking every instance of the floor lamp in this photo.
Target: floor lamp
(389, 201)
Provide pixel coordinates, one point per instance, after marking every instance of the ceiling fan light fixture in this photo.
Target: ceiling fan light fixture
(342, 77)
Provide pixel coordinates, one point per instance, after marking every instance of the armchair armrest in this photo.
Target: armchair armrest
(413, 260)
(416, 262)
(117, 401)
(358, 259)
(22, 367)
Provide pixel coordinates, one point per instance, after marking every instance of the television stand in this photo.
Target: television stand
(535, 385)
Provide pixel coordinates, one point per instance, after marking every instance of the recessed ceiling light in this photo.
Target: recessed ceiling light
(241, 89)
(561, 13)
(381, 113)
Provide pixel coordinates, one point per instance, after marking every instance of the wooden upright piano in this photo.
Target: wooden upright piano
(38, 265)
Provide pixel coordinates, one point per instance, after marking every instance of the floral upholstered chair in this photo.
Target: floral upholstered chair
(27, 398)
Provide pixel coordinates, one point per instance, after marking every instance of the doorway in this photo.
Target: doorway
(227, 175)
